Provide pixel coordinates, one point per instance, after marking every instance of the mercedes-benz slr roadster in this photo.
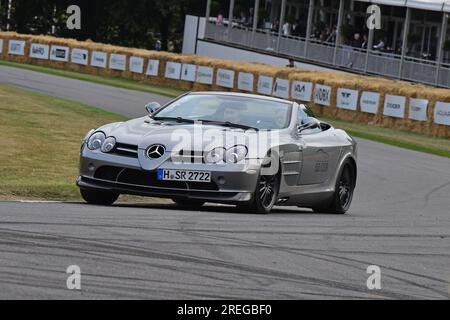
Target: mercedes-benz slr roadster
(251, 151)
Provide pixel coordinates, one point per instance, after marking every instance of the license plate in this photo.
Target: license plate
(184, 175)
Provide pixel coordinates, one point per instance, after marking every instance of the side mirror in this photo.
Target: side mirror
(152, 107)
(309, 123)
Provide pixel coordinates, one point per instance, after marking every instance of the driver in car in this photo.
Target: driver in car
(232, 112)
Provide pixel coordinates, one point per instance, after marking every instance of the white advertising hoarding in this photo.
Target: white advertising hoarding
(59, 53)
(369, 102)
(322, 95)
(442, 113)
(347, 99)
(394, 106)
(98, 59)
(39, 51)
(118, 62)
(152, 68)
(225, 78)
(281, 88)
(245, 81)
(189, 72)
(80, 56)
(173, 70)
(301, 90)
(136, 64)
(205, 75)
(16, 47)
(265, 85)
(418, 109)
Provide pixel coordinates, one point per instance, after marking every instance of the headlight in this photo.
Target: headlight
(236, 154)
(95, 142)
(215, 156)
(108, 144)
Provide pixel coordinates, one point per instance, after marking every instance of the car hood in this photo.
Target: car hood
(145, 132)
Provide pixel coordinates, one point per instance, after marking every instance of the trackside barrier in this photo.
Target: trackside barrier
(371, 100)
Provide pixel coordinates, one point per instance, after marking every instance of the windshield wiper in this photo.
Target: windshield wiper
(177, 119)
(229, 124)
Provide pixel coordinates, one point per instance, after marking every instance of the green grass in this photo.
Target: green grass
(105, 80)
(40, 143)
(395, 137)
(399, 138)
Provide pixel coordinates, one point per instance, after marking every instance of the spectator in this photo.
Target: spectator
(296, 29)
(219, 20)
(158, 45)
(291, 64)
(332, 35)
(287, 29)
(356, 42)
(276, 26)
(365, 42)
(242, 19)
(379, 46)
(249, 22)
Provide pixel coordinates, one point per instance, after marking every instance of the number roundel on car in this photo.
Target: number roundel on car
(156, 151)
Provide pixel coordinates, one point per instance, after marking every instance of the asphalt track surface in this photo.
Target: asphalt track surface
(399, 221)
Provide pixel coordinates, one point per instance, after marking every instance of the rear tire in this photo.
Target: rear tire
(189, 203)
(103, 198)
(343, 195)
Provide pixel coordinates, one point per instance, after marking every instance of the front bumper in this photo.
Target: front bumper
(232, 183)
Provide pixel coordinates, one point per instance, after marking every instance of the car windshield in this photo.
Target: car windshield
(244, 112)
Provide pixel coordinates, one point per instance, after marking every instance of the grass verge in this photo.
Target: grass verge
(394, 137)
(40, 142)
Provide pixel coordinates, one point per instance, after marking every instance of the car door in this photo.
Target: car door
(321, 152)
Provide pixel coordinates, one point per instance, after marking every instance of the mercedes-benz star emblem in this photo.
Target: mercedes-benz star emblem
(156, 151)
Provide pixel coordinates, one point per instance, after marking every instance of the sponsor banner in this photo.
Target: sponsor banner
(322, 95)
(152, 68)
(265, 85)
(189, 72)
(1, 46)
(173, 70)
(347, 99)
(80, 56)
(301, 90)
(118, 62)
(281, 88)
(205, 75)
(98, 59)
(442, 113)
(16, 47)
(418, 109)
(245, 81)
(39, 51)
(136, 64)
(58, 53)
(225, 78)
(394, 106)
(369, 102)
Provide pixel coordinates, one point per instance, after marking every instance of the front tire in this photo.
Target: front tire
(343, 195)
(265, 196)
(103, 198)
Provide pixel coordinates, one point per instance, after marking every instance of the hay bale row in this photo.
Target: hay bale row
(334, 80)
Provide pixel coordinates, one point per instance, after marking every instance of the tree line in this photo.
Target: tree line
(136, 23)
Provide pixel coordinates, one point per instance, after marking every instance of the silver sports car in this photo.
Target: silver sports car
(248, 150)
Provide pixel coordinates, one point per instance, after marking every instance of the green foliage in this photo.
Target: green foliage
(137, 23)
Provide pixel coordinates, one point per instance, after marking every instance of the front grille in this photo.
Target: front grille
(147, 179)
(185, 156)
(125, 150)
